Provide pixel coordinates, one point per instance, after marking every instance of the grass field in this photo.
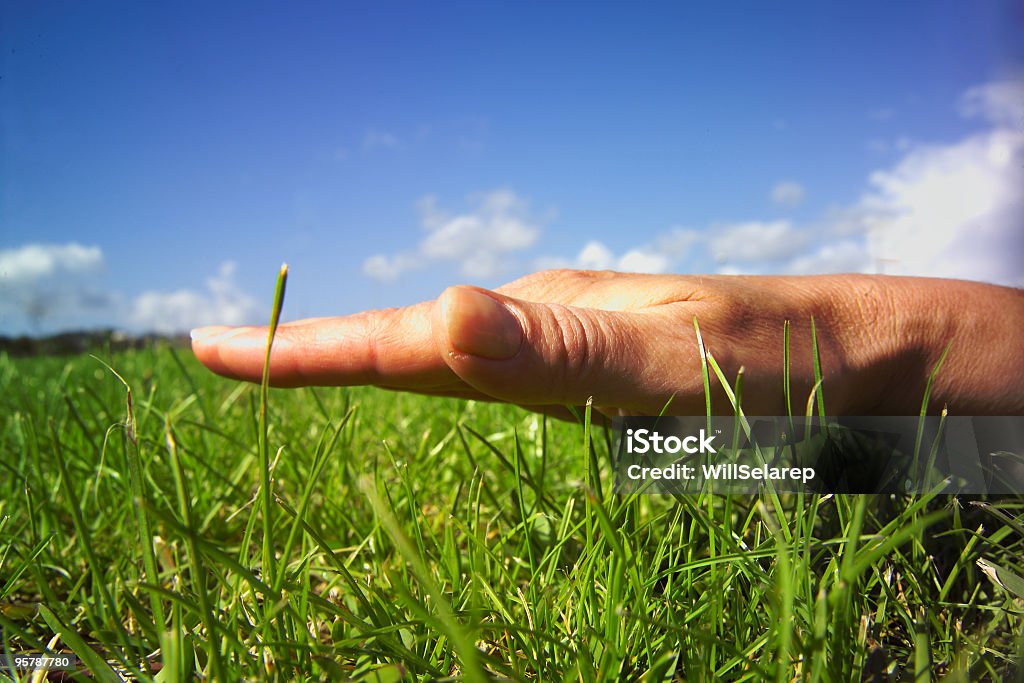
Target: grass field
(376, 536)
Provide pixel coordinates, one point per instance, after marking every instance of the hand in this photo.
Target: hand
(556, 338)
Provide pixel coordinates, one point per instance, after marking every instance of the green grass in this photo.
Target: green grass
(366, 535)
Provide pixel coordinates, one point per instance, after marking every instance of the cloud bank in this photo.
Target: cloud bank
(57, 286)
(43, 281)
(34, 262)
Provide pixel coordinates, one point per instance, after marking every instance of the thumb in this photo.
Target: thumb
(540, 353)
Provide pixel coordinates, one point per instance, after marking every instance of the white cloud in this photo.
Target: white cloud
(756, 241)
(481, 242)
(657, 257)
(753, 243)
(953, 211)
(497, 226)
(597, 256)
(388, 268)
(643, 261)
(788, 193)
(222, 302)
(33, 262)
(51, 287)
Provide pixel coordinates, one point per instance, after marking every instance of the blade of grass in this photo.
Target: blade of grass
(136, 480)
(269, 566)
(704, 373)
(818, 376)
(927, 398)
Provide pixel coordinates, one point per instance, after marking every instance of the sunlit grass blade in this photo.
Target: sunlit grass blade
(704, 374)
(269, 566)
(137, 482)
(819, 377)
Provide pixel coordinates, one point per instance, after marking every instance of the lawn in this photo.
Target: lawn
(377, 536)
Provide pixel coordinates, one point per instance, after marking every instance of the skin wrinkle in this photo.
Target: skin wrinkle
(585, 345)
(608, 352)
(327, 350)
(632, 364)
(577, 346)
(371, 341)
(611, 345)
(664, 373)
(394, 331)
(651, 368)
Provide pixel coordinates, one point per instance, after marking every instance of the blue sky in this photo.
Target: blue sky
(159, 162)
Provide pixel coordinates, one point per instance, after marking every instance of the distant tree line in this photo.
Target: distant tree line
(72, 343)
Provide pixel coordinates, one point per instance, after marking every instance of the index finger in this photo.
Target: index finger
(390, 348)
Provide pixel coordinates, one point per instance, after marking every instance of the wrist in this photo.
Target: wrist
(898, 328)
(886, 327)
